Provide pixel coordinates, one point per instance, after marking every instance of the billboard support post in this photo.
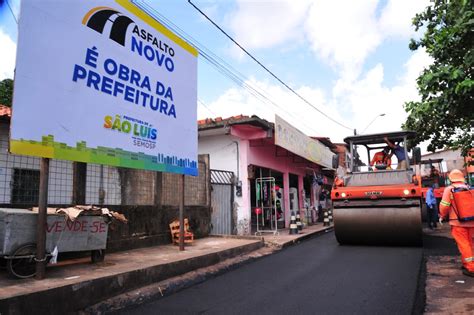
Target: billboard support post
(42, 213)
(181, 215)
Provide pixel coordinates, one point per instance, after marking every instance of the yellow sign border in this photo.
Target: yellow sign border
(158, 26)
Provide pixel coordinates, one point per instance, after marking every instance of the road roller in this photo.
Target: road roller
(378, 203)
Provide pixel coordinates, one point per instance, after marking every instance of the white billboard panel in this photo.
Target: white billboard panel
(103, 82)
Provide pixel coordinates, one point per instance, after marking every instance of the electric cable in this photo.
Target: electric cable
(223, 67)
(13, 14)
(266, 69)
(204, 104)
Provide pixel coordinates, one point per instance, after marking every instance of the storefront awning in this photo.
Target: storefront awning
(293, 140)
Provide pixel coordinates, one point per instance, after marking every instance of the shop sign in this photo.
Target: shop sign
(103, 82)
(290, 138)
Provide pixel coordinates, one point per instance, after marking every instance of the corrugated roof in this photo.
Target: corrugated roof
(219, 122)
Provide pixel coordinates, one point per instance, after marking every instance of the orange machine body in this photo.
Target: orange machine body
(438, 192)
(376, 192)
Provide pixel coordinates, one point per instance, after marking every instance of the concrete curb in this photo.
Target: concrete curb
(238, 237)
(306, 236)
(79, 296)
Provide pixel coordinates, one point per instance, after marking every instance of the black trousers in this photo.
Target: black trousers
(432, 216)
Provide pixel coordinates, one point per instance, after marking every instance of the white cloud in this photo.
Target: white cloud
(361, 100)
(369, 97)
(343, 35)
(7, 57)
(263, 24)
(415, 65)
(288, 106)
(397, 16)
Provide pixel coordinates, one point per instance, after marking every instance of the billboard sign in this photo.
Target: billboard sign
(103, 82)
(290, 138)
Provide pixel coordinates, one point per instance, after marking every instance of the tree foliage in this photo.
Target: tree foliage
(445, 114)
(6, 92)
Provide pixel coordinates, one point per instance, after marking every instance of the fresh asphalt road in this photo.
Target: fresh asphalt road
(317, 276)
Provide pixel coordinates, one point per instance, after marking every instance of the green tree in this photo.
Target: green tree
(445, 114)
(6, 92)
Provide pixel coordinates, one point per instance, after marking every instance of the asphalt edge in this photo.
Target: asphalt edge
(153, 292)
(134, 298)
(419, 303)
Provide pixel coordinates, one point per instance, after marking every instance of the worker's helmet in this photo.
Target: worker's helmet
(456, 176)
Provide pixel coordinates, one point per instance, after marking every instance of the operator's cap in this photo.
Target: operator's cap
(456, 176)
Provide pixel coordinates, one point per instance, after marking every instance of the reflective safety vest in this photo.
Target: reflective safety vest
(463, 204)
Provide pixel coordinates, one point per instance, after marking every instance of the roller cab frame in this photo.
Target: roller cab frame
(427, 181)
(378, 206)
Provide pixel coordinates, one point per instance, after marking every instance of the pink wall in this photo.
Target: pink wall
(265, 157)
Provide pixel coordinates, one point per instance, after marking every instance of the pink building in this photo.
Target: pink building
(275, 168)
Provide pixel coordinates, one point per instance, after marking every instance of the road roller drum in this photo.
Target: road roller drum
(378, 226)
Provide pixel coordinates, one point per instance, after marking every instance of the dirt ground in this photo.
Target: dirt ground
(447, 290)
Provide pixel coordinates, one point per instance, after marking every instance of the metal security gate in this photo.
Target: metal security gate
(222, 198)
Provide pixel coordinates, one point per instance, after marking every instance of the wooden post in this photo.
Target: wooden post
(158, 189)
(79, 183)
(181, 215)
(42, 214)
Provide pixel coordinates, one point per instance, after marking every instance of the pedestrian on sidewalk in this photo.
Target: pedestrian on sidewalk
(462, 231)
(432, 206)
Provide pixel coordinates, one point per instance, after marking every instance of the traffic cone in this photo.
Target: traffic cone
(326, 219)
(330, 216)
(293, 226)
(299, 225)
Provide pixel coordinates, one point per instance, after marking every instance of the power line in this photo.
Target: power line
(203, 104)
(223, 67)
(14, 17)
(266, 69)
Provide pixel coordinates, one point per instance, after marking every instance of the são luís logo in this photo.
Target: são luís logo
(142, 132)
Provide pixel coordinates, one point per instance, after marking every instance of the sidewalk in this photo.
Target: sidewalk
(75, 285)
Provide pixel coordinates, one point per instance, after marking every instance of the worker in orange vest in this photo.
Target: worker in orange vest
(382, 158)
(458, 203)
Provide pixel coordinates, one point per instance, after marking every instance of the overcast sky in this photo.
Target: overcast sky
(350, 59)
